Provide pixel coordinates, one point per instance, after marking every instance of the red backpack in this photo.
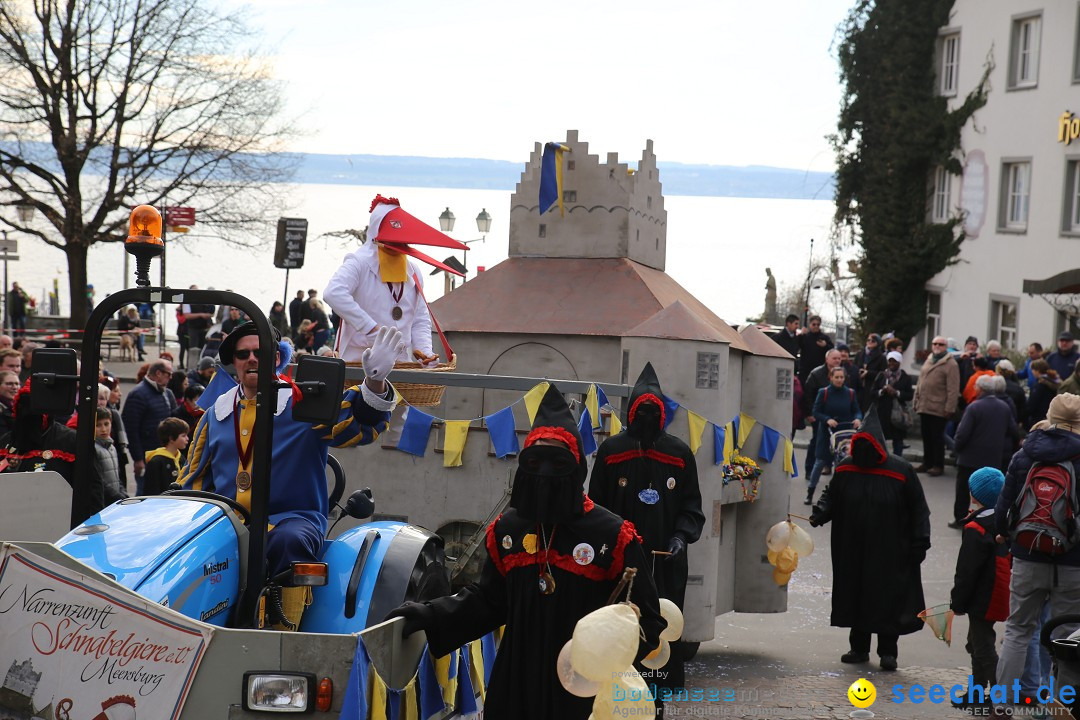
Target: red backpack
(1044, 516)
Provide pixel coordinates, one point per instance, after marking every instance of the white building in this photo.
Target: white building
(1021, 184)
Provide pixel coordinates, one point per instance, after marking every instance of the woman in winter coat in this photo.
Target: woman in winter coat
(836, 405)
(1007, 370)
(1046, 387)
(936, 396)
(892, 385)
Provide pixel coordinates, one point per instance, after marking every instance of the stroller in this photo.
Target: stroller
(1065, 652)
(840, 439)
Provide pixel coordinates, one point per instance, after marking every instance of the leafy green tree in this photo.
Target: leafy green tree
(894, 130)
(109, 104)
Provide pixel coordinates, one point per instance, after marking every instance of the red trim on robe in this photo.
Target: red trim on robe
(493, 547)
(588, 504)
(872, 471)
(882, 455)
(551, 432)
(651, 454)
(567, 562)
(648, 397)
(56, 455)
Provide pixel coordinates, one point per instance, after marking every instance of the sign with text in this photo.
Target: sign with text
(291, 243)
(88, 649)
(180, 216)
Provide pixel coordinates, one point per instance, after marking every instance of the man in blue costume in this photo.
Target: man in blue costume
(221, 450)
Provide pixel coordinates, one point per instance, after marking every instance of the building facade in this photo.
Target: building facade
(1020, 190)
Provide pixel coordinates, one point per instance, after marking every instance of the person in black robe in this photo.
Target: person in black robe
(553, 557)
(880, 535)
(650, 478)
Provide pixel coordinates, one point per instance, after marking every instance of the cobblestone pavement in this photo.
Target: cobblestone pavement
(787, 665)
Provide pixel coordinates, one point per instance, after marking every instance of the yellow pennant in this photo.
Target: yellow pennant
(788, 467)
(377, 698)
(446, 674)
(408, 699)
(593, 405)
(455, 434)
(697, 427)
(533, 398)
(476, 667)
(616, 424)
(729, 442)
(746, 424)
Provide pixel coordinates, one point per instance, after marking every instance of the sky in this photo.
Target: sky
(720, 82)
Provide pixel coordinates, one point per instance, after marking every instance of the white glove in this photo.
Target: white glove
(379, 359)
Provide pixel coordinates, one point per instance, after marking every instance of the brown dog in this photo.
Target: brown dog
(127, 348)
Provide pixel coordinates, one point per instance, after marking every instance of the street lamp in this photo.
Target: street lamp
(483, 225)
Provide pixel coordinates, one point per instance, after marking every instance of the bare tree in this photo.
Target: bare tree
(108, 104)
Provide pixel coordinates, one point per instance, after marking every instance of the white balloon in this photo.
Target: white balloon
(671, 612)
(801, 542)
(571, 681)
(779, 536)
(659, 657)
(605, 642)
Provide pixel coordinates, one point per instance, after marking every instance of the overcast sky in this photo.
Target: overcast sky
(719, 82)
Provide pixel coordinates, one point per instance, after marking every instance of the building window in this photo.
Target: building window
(1003, 323)
(933, 316)
(1070, 221)
(648, 202)
(569, 196)
(570, 164)
(1015, 195)
(708, 371)
(625, 371)
(949, 51)
(1076, 50)
(543, 230)
(1024, 52)
(939, 208)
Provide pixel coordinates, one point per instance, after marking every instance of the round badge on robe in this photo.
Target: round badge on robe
(243, 481)
(46, 454)
(507, 542)
(649, 496)
(396, 313)
(671, 483)
(529, 543)
(622, 482)
(584, 554)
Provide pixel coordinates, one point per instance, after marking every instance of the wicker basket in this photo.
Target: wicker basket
(420, 394)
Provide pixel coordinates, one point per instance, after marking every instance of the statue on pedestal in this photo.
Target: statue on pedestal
(770, 299)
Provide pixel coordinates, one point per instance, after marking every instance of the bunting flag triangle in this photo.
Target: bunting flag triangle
(378, 697)
(533, 398)
(746, 424)
(408, 702)
(719, 440)
(790, 466)
(670, 408)
(585, 426)
(769, 440)
(729, 441)
(455, 433)
(220, 383)
(601, 397)
(697, 427)
(415, 431)
(592, 404)
(616, 424)
(503, 432)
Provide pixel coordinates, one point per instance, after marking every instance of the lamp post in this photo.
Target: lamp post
(26, 214)
(483, 225)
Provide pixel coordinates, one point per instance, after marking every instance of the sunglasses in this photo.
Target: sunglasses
(244, 354)
(937, 344)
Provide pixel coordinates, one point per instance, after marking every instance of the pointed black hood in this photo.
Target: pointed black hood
(868, 445)
(646, 389)
(549, 484)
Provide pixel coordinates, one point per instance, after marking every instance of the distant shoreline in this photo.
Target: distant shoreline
(480, 174)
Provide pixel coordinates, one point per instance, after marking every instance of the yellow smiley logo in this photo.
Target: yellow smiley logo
(862, 693)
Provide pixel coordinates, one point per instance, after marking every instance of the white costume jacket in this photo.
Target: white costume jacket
(364, 302)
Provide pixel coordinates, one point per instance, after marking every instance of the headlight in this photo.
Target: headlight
(288, 692)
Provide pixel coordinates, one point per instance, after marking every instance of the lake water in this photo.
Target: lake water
(718, 247)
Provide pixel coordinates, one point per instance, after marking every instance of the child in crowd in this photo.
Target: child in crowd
(105, 458)
(981, 587)
(163, 464)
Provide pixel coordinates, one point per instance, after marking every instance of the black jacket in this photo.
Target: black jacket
(905, 393)
(810, 353)
(983, 569)
(987, 435)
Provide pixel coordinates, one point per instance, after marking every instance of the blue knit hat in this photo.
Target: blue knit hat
(985, 485)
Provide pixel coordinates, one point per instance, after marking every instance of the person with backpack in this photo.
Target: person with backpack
(835, 405)
(1036, 512)
(981, 585)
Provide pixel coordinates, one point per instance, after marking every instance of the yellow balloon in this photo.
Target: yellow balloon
(772, 557)
(779, 536)
(780, 578)
(787, 560)
(801, 542)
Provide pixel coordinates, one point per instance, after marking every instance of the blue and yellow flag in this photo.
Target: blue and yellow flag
(697, 427)
(551, 177)
(503, 432)
(770, 439)
(746, 424)
(455, 434)
(415, 432)
(533, 398)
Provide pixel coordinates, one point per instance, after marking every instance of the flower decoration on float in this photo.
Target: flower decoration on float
(747, 472)
(144, 240)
